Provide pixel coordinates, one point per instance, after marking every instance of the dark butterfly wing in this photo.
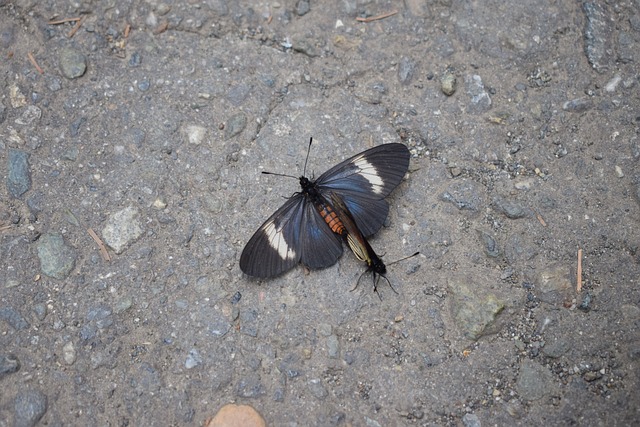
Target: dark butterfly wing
(321, 247)
(364, 180)
(293, 233)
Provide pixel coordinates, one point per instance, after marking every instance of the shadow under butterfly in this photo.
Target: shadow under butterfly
(346, 203)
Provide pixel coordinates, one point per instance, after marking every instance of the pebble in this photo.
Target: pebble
(19, 175)
(316, 388)
(490, 245)
(69, 353)
(471, 420)
(57, 259)
(597, 33)
(406, 69)
(74, 127)
(218, 326)
(333, 346)
(448, 83)
(16, 97)
(135, 60)
(249, 322)
(238, 93)
(73, 63)
(250, 386)
(40, 310)
(534, 381)
(8, 364)
(29, 407)
(232, 415)
(480, 99)
(510, 209)
(122, 229)
(193, 359)
(195, 134)
(553, 285)
(302, 7)
(30, 114)
(613, 83)
(235, 125)
(473, 312)
(555, 348)
(144, 85)
(54, 84)
(305, 46)
(577, 105)
(97, 318)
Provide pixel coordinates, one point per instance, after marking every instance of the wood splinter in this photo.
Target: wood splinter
(376, 18)
(34, 63)
(579, 272)
(101, 245)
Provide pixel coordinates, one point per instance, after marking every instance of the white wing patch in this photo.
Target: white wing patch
(277, 241)
(369, 172)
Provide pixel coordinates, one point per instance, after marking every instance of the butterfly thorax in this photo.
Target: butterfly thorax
(324, 208)
(376, 265)
(309, 189)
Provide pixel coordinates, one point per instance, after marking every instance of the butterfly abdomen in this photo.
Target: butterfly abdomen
(331, 218)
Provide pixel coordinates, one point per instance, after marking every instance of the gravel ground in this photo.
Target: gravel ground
(131, 146)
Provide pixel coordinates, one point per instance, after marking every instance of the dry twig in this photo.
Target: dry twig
(127, 30)
(34, 63)
(579, 272)
(62, 21)
(101, 245)
(76, 27)
(376, 18)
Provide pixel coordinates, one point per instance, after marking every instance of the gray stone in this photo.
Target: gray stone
(250, 386)
(333, 346)
(553, 285)
(597, 35)
(29, 407)
(448, 83)
(534, 381)
(249, 322)
(19, 175)
(73, 63)
(8, 365)
(471, 420)
(578, 105)
(235, 125)
(472, 311)
(480, 99)
(122, 229)
(317, 389)
(490, 245)
(57, 259)
(302, 7)
(510, 209)
(13, 318)
(406, 69)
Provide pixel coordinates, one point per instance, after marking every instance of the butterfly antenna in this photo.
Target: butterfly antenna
(279, 174)
(304, 171)
(402, 259)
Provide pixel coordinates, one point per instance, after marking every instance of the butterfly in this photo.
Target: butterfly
(344, 203)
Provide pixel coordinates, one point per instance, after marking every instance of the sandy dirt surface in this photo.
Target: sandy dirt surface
(132, 137)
